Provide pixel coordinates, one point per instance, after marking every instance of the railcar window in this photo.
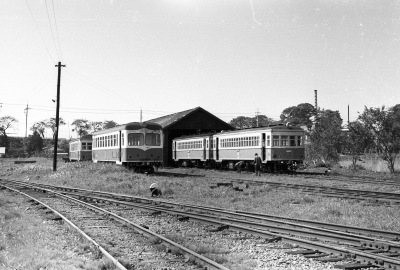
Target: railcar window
(268, 140)
(206, 144)
(135, 139)
(89, 146)
(83, 147)
(292, 140)
(153, 139)
(123, 140)
(275, 140)
(299, 140)
(284, 140)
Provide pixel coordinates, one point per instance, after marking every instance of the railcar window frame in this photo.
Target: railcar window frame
(284, 140)
(292, 141)
(155, 139)
(275, 140)
(132, 139)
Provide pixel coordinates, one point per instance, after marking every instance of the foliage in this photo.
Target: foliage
(109, 124)
(357, 141)
(96, 126)
(82, 127)
(6, 122)
(51, 124)
(242, 122)
(325, 137)
(64, 145)
(34, 144)
(385, 127)
(299, 115)
(39, 127)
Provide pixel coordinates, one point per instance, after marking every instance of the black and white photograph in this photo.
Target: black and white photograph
(199, 134)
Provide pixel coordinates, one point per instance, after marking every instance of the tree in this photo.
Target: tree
(34, 143)
(39, 127)
(326, 137)
(64, 145)
(357, 141)
(242, 122)
(109, 124)
(95, 126)
(385, 127)
(6, 122)
(299, 115)
(51, 124)
(82, 127)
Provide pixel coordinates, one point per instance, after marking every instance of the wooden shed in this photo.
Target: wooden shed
(190, 122)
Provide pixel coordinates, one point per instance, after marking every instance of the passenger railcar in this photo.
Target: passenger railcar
(135, 145)
(80, 149)
(280, 147)
(194, 149)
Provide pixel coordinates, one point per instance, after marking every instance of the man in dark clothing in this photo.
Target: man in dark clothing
(257, 164)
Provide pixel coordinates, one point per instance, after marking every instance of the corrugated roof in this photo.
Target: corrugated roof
(168, 120)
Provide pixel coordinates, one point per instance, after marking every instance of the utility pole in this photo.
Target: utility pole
(257, 113)
(26, 120)
(57, 116)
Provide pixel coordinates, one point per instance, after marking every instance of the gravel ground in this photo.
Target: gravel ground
(233, 249)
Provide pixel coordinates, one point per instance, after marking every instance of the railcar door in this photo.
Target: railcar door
(174, 150)
(120, 147)
(263, 146)
(217, 148)
(204, 149)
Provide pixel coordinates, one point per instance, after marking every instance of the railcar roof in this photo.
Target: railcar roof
(195, 136)
(272, 128)
(268, 128)
(130, 126)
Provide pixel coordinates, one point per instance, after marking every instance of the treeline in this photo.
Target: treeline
(36, 144)
(376, 130)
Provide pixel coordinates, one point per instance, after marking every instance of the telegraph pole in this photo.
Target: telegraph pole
(57, 116)
(26, 120)
(257, 113)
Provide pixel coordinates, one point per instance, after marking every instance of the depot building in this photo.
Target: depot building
(190, 122)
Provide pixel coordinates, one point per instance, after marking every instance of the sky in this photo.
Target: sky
(230, 57)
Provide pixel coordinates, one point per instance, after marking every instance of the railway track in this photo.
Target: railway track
(132, 242)
(327, 242)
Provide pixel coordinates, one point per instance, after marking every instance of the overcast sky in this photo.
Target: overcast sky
(229, 57)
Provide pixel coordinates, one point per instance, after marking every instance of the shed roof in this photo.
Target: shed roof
(169, 120)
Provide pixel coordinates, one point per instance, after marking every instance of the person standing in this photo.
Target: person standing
(257, 164)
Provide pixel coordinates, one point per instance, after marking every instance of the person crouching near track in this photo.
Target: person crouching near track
(155, 190)
(238, 166)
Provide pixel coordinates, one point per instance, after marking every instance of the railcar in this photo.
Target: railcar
(194, 150)
(280, 148)
(80, 149)
(134, 145)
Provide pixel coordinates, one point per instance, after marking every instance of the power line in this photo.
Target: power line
(94, 84)
(37, 27)
(51, 29)
(55, 24)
